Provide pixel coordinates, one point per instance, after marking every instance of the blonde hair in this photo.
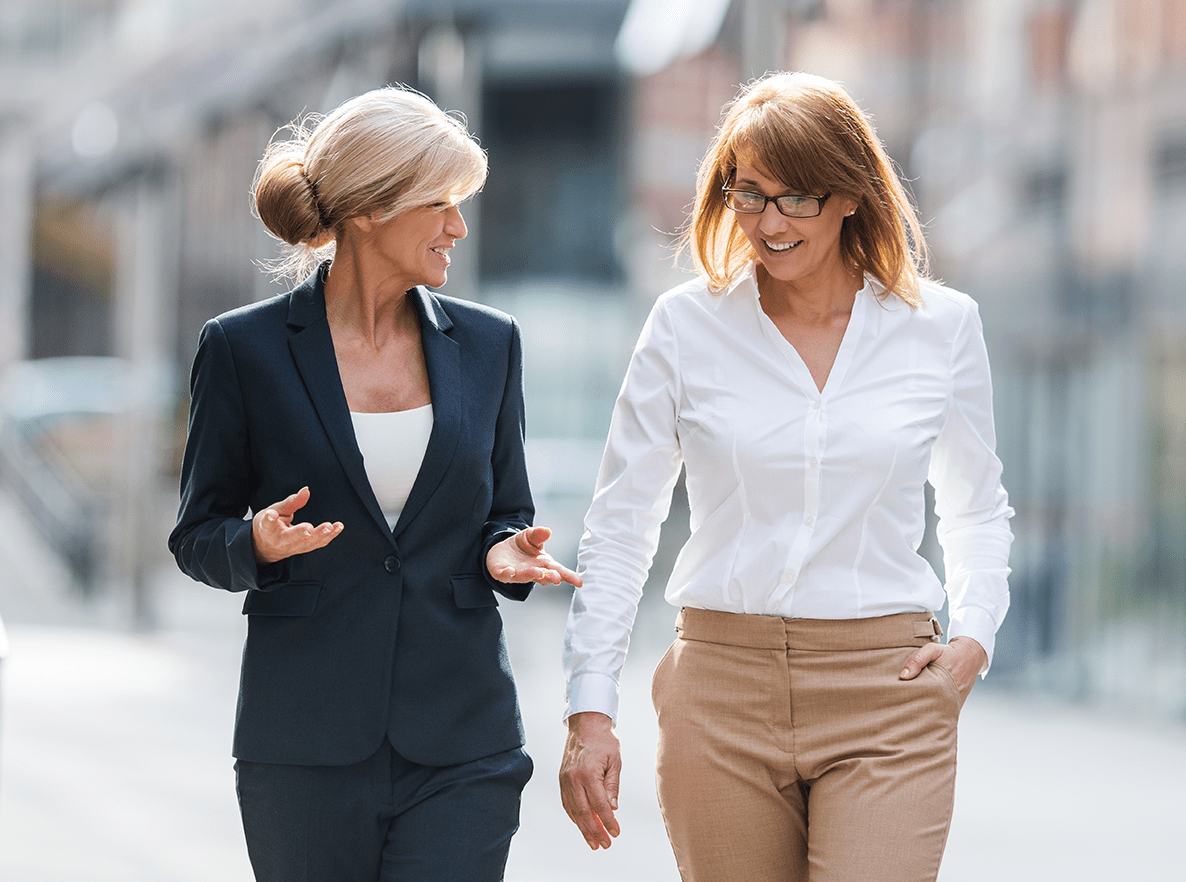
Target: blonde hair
(381, 153)
(808, 133)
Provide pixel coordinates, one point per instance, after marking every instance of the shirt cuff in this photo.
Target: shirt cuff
(977, 624)
(592, 692)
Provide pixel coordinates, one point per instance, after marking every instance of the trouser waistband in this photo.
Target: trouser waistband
(774, 632)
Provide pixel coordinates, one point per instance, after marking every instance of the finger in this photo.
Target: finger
(613, 776)
(603, 823)
(547, 575)
(322, 535)
(920, 660)
(566, 575)
(520, 574)
(575, 803)
(300, 539)
(293, 503)
(590, 809)
(504, 573)
(268, 526)
(306, 537)
(532, 539)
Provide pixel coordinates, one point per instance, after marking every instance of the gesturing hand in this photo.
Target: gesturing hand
(274, 536)
(521, 558)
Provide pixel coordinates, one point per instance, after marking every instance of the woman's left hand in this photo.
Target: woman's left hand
(522, 558)
(963, 658)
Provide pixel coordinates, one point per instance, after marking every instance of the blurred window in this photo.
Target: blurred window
(1045, 189)
(549, 205)
(1169, 160)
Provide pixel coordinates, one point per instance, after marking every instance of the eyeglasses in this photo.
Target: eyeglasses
(749, 202)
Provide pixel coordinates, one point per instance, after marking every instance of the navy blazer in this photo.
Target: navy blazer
(383, 632)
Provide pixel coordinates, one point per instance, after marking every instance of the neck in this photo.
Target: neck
(817, 299)
(362, 302)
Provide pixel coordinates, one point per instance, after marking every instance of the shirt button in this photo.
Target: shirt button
(809, 520)
(391, 564)
(789, 576)
(813, 462)
(815, 405)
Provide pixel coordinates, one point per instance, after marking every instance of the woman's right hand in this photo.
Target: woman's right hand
(274, 536)
(590, 772)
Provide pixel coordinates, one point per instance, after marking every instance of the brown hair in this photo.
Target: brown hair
(381, 153)
(808, 133)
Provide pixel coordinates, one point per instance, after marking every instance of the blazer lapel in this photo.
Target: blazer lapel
(312, 349)
(442, 355)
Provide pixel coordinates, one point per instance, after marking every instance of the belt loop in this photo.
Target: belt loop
(929, 629)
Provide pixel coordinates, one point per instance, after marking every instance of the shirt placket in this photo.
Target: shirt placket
(814, 433)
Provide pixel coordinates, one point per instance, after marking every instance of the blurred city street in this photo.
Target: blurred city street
(1044, 145)
(115, 765)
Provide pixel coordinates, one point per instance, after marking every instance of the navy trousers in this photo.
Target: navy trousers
(385, 819)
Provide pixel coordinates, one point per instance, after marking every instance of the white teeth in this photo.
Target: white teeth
(784, 246)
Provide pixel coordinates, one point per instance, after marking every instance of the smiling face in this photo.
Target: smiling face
(414, 245)
(802, 253)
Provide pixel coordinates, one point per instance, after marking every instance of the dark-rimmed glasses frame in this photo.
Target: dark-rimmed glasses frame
(789, 205)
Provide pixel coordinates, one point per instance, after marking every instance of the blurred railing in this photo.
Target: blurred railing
(65, 446)
(59, 504)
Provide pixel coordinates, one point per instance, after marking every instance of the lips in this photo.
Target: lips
(781, 247)
(443, 251)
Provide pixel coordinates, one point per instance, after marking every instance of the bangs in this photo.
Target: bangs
(765, 141)
(798, 143)
(451, 170)
(470, 171)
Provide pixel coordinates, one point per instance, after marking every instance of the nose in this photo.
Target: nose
(772, 220)
(455, 223)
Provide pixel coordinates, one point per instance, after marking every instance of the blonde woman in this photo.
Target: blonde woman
(373, 430)
(810, 381)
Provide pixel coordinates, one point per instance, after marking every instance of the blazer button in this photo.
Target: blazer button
(391, 564)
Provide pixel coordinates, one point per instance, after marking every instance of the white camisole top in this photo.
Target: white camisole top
(393, 447)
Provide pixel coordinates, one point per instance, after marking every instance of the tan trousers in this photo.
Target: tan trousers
(789, 749)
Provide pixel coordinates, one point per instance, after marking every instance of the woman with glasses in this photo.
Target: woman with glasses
(809, 381)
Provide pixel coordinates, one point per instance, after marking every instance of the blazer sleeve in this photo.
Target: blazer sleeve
(511, 508)
(212, 538)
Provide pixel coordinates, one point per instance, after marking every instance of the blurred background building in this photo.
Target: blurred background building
(1045, 141)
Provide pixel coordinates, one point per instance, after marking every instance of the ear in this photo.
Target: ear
(363, 223)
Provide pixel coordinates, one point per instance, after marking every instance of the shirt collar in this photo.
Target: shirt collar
(747, 273)
(746, 279)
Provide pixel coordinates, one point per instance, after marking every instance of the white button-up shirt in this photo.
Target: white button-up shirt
(803, 503)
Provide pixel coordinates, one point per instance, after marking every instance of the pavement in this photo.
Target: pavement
(115, 752)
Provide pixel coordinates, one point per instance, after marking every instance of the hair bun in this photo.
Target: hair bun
(286, 197)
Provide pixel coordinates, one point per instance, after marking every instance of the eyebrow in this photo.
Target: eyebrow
(786, 191)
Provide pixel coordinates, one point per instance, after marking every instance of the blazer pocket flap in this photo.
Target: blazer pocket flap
(473, 592)
(293, 599)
